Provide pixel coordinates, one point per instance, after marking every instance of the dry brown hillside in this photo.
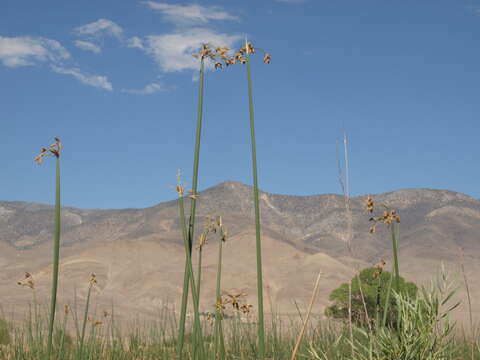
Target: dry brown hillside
(137, 254)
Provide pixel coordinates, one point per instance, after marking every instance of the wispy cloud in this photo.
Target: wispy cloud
(97, 81)
(173, 52)
(24, 51)
(101, 27)
(135, 42)
(89, 46)
(147, 90)
(193, 14)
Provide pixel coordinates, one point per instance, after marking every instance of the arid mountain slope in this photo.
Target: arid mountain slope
(137, 254)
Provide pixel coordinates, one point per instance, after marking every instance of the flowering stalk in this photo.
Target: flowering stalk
(261, 325)
(191, 223)
(197, 333)
(219, 338)
(53, 150)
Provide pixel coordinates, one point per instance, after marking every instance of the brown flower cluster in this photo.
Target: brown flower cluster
(237, 301)
(93, 279)
(379, 268)
(27, 281)
(388, 217)
(212, 226)
(54, 150)
(220, 55)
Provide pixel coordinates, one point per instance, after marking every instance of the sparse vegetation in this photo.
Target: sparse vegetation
(382, 316)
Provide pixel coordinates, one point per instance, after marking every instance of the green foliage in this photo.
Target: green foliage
(424, 331)
(5, 338)
(374, 287)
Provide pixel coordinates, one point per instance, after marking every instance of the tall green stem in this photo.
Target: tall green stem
(219, 339)
(56, 255)
(395, 235)
(183, 311)
(198, 330)
(84, 324)
(261, 325)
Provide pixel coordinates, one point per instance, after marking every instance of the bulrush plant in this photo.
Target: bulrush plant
(197, 329)
(91, 284)
(391, 219)
(219, 338)
(206, 53)
(53, 150)
(243, 57)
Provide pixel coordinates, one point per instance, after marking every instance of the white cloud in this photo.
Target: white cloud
(135, 42)
(147, 90)
(86, 45)
(92, 80)
(190, 14)
(23, 51)
(101, 27)
(173, 52)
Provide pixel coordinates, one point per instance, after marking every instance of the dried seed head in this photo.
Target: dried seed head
(27, 281)
(369, 206)
(267, 58)
(66, 309)
(218, 65)
(202, 240)
(53, 149)
(93, 279)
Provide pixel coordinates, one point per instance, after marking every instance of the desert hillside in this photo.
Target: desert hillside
(137, 254)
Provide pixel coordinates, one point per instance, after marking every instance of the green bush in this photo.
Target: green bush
(374, 286)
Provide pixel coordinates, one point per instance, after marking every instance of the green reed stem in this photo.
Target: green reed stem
(191, 224)
(219, 338)
(85, 318)
(261, 325)
(387, 301)
(56, 255)
(395, 236)
(197, 334)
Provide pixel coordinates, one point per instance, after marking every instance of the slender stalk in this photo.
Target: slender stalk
(307, 317)
(395, 235)
(56, 255)
(191, 224)
(85, 318)
(198, 330)
(62, 339)
(261, 325)
(219, 339)
(387, 302)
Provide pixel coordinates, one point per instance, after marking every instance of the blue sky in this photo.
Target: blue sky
(115, 80)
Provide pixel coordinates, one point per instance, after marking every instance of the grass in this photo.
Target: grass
(423, 329)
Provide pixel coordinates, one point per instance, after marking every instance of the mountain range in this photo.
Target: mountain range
(138, 254)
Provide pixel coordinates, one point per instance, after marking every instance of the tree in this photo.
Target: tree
(374, 285)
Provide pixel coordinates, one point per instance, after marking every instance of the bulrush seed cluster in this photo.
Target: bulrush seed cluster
(220, 55)
(379, 268)
(213, 225)
(27, 281)
(237, 301)
(388, 217)
(53, 150)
